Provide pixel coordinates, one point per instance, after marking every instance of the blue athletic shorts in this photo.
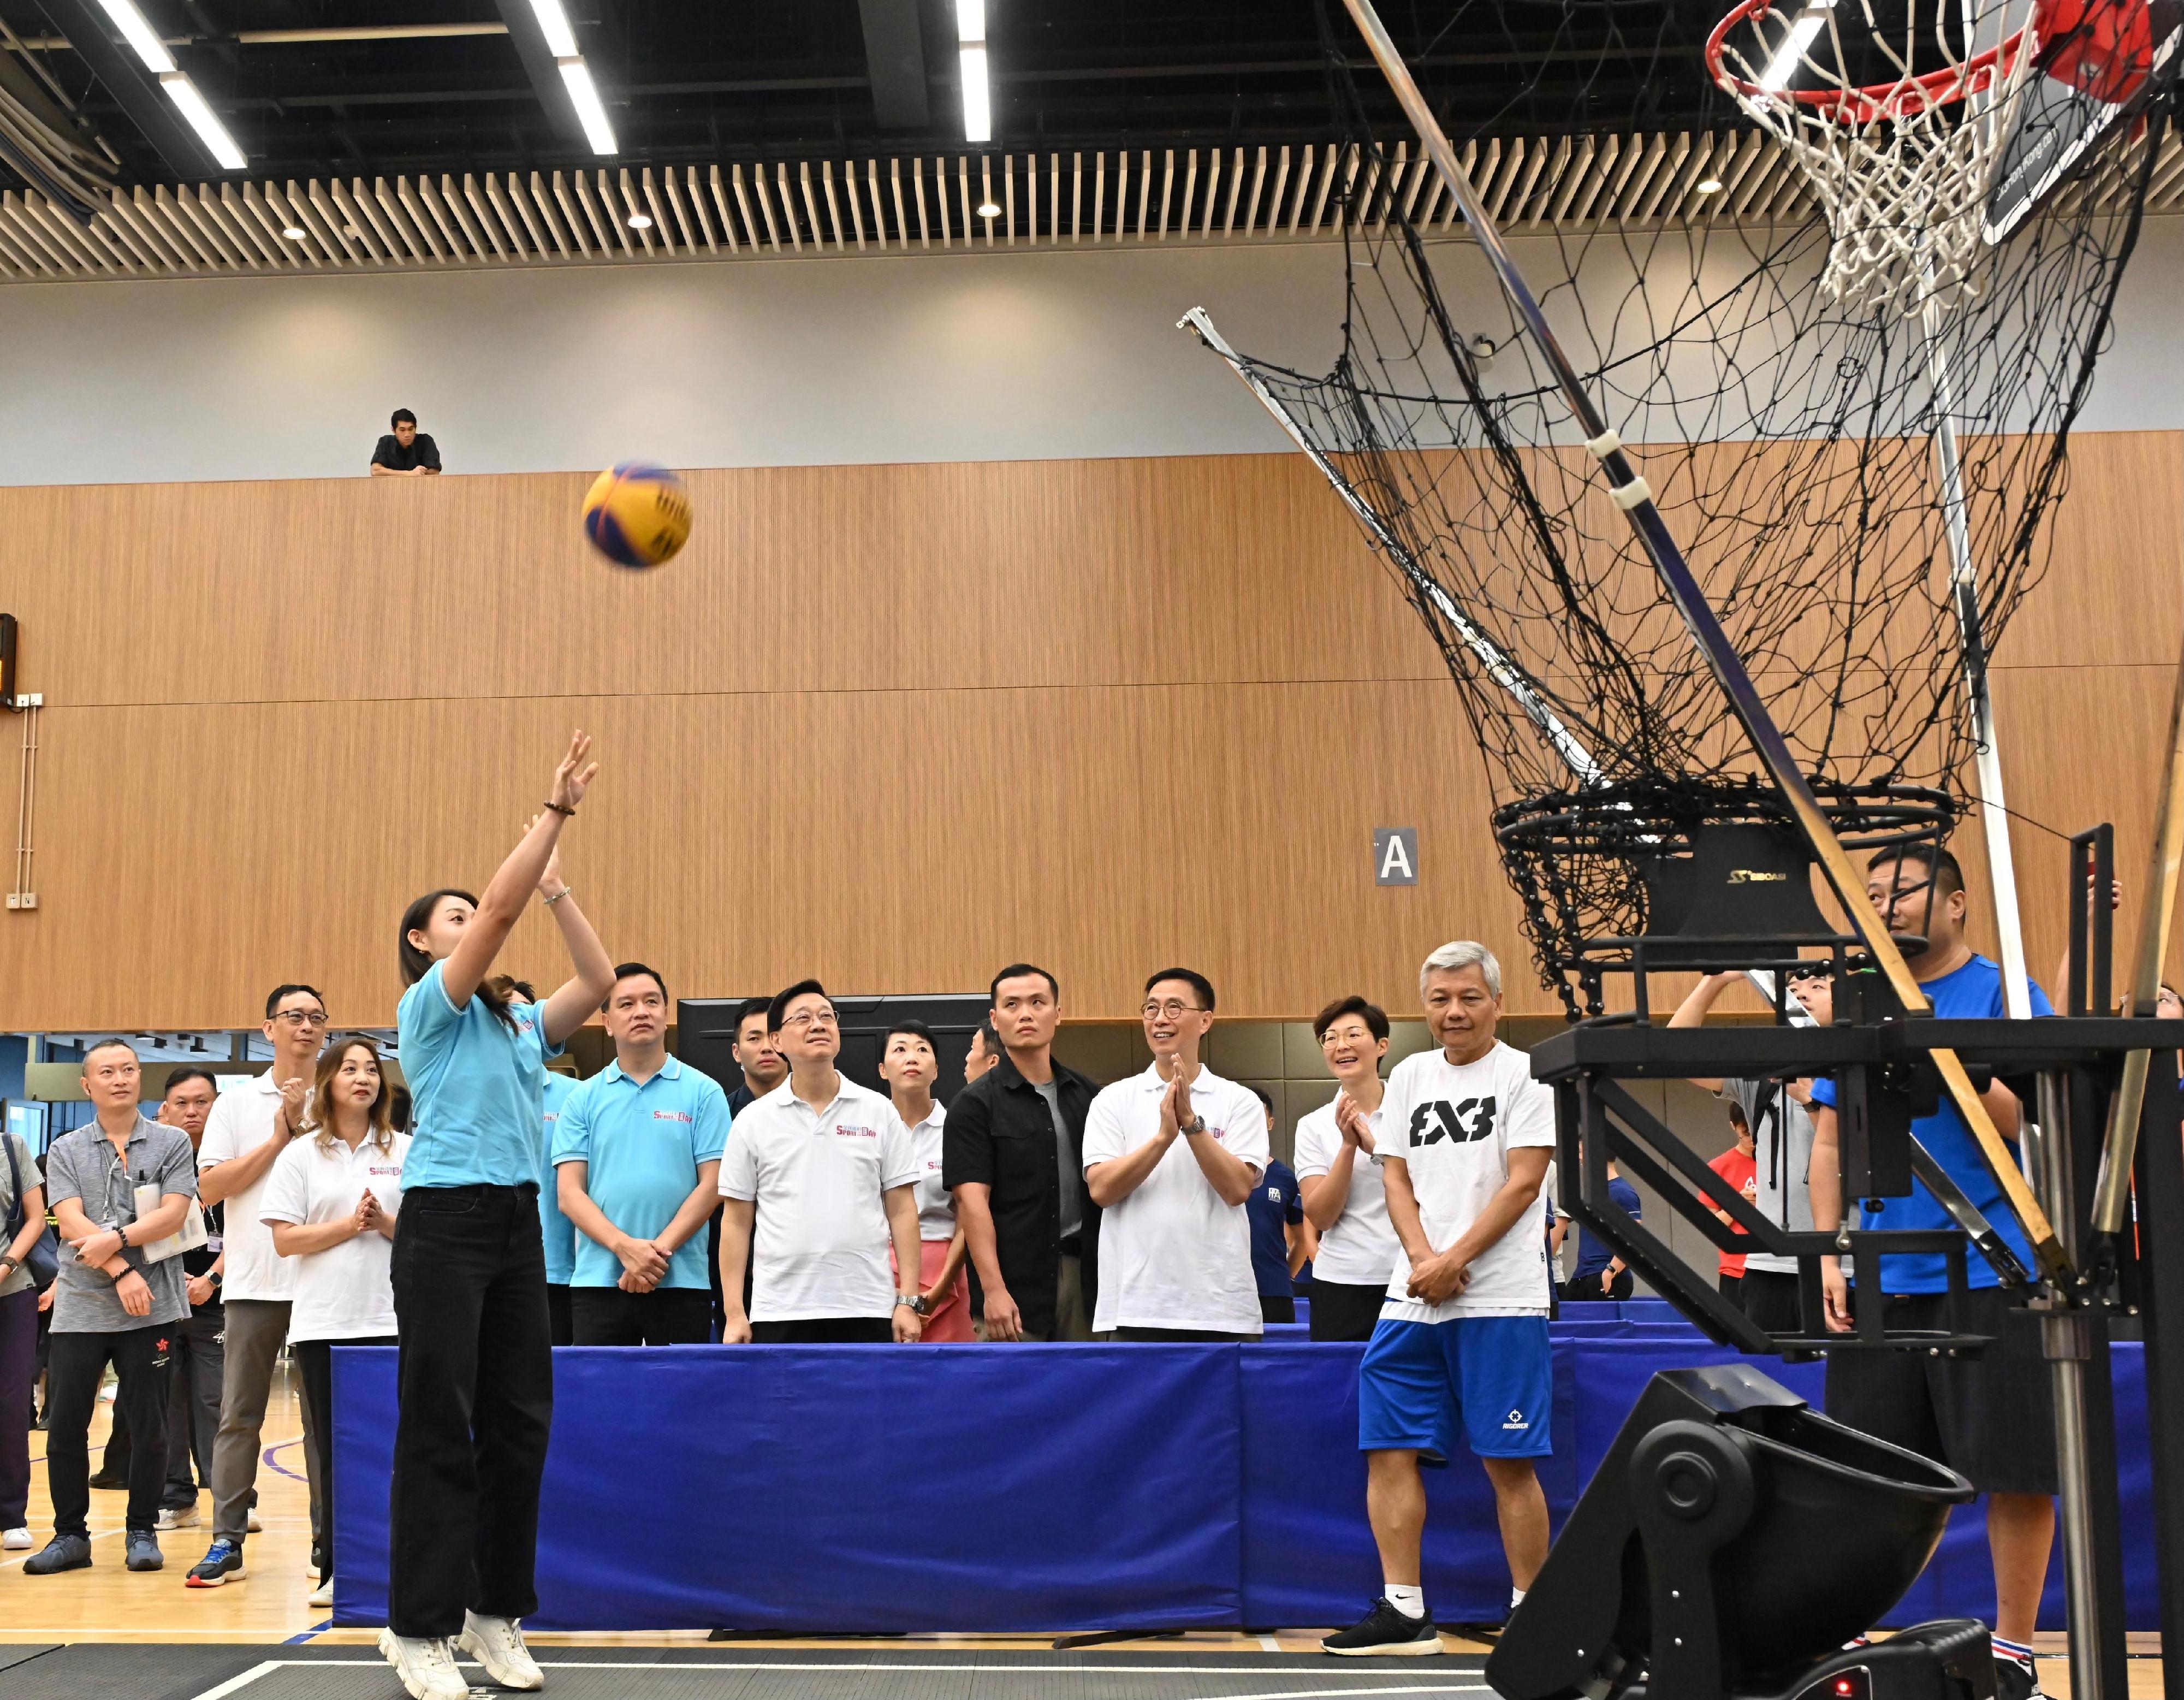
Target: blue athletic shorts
(1493, 1376)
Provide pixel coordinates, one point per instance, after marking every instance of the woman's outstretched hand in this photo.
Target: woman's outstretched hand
(574, 777)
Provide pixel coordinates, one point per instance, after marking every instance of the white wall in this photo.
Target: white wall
(1012, 356)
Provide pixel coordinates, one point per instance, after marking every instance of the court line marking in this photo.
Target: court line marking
(266, 1668)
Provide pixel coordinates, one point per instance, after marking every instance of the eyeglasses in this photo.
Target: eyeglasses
(1335, 1036)
(823, 1018)
(1172, 1009)
(301, 1017)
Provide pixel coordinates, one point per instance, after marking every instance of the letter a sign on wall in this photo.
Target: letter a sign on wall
(1394, 855)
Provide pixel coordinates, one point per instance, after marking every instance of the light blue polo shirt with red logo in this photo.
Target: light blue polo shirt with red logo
(642, 1144)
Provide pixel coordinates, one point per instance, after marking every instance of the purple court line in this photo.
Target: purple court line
(267, 1458)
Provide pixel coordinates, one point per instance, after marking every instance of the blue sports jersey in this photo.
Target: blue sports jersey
(1274, 1203)
(558, 1232)
(1973, 991)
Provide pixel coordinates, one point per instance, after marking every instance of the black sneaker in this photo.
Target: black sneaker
(108, 1482)
(62, 1552)
(221, 1564)
(2015, 1679)
(1384, 1630)
(144, 1553)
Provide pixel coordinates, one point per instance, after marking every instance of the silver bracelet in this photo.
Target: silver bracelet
(550, 901)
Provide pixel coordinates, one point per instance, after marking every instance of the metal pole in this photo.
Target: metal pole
(1635, 496)
(1963, 588)
(2063, 1339)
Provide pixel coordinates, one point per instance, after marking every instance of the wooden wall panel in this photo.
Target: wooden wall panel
(894, 725)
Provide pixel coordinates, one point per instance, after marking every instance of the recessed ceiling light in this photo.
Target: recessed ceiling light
(640, 222)
(351, 230)
(1712, 186)
(292, 232)
(987, 209)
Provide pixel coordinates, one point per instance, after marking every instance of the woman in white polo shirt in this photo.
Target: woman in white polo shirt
(330, 1200)
(910, 1063)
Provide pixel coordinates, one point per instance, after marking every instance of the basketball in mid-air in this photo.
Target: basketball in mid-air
(637, 514)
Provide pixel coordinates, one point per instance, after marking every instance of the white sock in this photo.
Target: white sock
(1516, 1599)
(1411, 1601)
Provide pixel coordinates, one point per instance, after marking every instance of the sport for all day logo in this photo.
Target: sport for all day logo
(1432, 1122)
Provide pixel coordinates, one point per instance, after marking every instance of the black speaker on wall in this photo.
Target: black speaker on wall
(706, 1034)
(9, 630)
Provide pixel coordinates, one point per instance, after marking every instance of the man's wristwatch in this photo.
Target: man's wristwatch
(916, 1301)
(10, 1264)
(1196, 1125)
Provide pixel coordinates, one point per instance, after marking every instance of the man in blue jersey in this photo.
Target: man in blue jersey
(553, 1227)
(1990, 1416)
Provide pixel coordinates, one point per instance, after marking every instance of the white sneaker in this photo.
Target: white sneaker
(497, 1643)
(178, 1517)
(323, 1595)
(426, 1667)
(16, 1541)
(251, 1524)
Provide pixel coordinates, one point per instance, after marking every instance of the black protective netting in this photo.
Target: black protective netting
(1789, 440)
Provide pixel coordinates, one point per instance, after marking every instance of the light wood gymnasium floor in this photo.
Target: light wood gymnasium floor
(108, 1603)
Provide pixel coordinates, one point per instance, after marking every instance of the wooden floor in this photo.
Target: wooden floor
(107, 1602)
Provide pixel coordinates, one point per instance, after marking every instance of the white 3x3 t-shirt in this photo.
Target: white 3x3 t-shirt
(1454, 1126)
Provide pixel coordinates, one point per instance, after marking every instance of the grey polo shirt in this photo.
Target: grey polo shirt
(82, 1165)
(27, 1166)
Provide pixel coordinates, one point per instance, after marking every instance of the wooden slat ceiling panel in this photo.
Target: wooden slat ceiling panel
(635, 216)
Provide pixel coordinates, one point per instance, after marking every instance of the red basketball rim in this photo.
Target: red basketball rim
(1904, 98)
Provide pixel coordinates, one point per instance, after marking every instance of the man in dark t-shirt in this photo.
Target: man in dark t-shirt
(408, 453)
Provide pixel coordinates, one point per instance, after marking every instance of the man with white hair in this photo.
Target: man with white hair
(1462, 1343)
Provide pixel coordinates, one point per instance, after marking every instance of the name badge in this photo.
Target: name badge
(215, 1244)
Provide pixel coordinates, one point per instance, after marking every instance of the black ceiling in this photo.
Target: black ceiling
(694, 80)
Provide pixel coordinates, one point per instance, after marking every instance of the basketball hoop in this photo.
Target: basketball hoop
(1900, 164)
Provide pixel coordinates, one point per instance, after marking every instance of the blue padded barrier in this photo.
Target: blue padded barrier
(882, 1489)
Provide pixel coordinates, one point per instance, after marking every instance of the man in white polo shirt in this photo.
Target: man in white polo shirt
(831, 1174)
(249, 1127)
(1338, 1165)
(1461, 1346)
(1170, 1156)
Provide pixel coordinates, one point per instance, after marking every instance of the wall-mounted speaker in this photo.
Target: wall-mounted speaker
(8, 630)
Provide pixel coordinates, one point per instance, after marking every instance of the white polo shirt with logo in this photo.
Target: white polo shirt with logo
(241, 1121)
(817, 1176)
(347, 1291)
(1454, 1126)
(936, 1205)
(1361, 1249)
(1174, 1254)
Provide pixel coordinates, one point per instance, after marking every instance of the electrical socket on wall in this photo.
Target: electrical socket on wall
(22, 899)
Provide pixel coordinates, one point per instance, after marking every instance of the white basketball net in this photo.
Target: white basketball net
(1900, 165)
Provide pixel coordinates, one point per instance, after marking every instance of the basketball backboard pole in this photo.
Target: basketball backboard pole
(1635, 497)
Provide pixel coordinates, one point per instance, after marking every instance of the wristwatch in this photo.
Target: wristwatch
(916, 1301)
(1196, 1125)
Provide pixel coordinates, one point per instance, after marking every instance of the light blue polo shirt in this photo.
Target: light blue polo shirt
(560, 1233)
(476, 1089)
(643, 1144)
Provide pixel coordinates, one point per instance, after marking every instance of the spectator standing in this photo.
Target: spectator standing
(469, 1270)
(762, 1068)
(1171, 1156)
(23, 1211)
(1782, 1153)
(1013, 1158)
(405, 452)
(1463, 1344)
(909, 1062)
(825, 1170)
(118, 1186)
(197, 1360)
(248, 1128)
(1338, 1168)
(1737, 1167)
(1278, 1245)
(637, 1161)
(1988, 1417)
(1600, 1273)
(331, 1205)
(985, 1051)
(556, 1232)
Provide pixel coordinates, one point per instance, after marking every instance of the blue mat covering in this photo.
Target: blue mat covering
(886, 1489)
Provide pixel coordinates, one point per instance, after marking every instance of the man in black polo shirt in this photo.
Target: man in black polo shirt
(408, 453)
(1012, 1152)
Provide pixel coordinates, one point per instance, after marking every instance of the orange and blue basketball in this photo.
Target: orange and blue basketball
(637, 514)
